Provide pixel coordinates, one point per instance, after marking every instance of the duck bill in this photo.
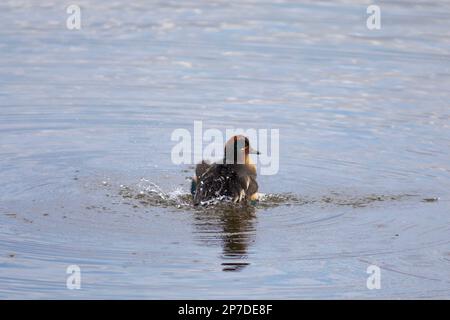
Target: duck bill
(254, 151)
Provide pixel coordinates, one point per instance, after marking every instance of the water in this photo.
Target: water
(86, 176)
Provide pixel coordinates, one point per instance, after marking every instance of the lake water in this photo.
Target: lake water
(87, 179)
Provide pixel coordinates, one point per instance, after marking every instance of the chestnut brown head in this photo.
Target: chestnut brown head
(237, 150)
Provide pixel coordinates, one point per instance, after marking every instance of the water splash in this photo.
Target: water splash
(148, 193)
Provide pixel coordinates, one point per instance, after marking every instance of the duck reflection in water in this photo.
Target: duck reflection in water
(231, 226)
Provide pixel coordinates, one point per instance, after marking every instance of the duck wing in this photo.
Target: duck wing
(210, 184)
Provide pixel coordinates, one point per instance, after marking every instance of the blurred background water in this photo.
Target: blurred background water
(364, 127)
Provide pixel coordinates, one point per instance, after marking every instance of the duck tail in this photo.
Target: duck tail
(201, 168)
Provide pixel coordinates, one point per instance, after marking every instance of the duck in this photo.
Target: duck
(234, 178)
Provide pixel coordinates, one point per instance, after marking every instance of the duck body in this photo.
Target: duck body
(236, 182)
(233, 179)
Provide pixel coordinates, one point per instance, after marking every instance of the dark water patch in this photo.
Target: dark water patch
(433, 199)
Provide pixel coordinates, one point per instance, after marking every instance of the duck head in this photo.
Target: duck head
(237, 150)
